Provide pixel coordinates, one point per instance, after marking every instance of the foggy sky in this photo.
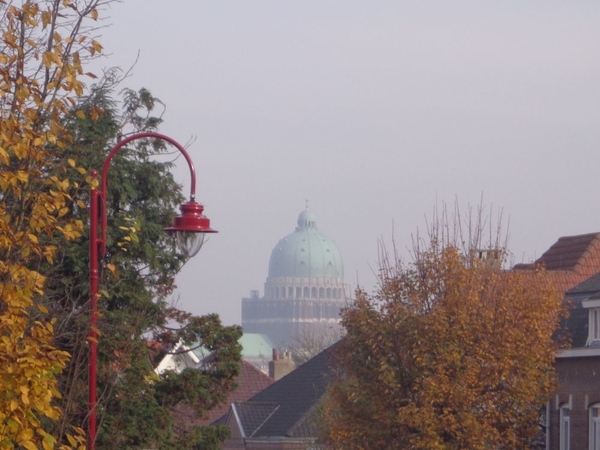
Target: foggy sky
(374, 111)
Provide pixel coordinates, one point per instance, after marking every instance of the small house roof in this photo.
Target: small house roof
(249, 382)
(570, 260)
(292, 401)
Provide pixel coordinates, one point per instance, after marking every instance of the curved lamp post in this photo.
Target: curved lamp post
(189, 229)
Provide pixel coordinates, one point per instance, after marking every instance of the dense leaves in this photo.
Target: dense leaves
(41, 52)
(138, 322)
(452, 353)
(51, 134)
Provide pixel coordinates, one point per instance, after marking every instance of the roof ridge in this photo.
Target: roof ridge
(248, 364)
(267, 418)
(587, 253)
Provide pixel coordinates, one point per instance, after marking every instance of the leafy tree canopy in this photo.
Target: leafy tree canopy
(43, 47)
(138, 319)
(451, 353)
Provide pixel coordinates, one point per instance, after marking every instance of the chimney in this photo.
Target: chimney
(279, 368)
(490, 258)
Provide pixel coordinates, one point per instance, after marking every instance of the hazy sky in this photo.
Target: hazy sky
(374, 111)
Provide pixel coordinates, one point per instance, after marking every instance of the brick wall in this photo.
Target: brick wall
(579, 381)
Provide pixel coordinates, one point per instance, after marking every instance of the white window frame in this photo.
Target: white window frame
(594, 426)
(594, 325)
(565, 427)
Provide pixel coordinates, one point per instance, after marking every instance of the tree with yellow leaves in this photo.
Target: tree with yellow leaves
(451, 353)
(41, 52)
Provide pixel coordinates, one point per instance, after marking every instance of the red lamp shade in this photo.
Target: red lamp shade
(190, 228)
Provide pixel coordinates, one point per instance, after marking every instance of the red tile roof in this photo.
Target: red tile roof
(250, 382)
(570, 260)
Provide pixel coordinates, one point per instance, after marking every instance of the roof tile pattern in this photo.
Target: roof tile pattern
(296, 395)
(254, 414)
(249, 382)
(573, 267)
(570, 260)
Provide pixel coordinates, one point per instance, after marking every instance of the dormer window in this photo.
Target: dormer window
(593, 307)
(594, 325)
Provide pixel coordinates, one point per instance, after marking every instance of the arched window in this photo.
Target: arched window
(328, 292)
(313, 292)
(290, 292)
(298, 292)
(306, 292)
(321, 292)
(282, 291)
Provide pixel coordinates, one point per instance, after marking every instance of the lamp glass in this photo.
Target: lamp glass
(189, 243)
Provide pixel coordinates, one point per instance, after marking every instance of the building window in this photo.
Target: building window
(594, 334)
(565, 427)
(595, 427)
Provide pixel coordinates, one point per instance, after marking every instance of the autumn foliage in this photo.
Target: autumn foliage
(451, 353)
(41, 51)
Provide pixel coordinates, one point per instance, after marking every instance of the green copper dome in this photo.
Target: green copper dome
(306, 253)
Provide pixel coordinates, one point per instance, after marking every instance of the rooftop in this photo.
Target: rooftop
(285, 408)
(570, 260)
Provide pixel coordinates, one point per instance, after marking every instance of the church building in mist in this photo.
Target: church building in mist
(304, 291)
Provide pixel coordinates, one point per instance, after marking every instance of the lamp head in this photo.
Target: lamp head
(190, 228)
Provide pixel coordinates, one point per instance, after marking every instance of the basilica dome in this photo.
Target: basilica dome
(306, 253)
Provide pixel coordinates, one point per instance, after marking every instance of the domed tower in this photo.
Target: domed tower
(305, 288)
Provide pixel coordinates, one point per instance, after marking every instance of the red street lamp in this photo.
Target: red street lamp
(189, 229)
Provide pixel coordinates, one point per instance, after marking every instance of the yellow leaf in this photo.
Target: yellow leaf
(95, 14)
(47, 59)
(97, 46)
(71, 162)
(25, 436)
(22, 176)
(80, 114)
(29, 445)
(112, 268)
(4, 158)
(72, 440)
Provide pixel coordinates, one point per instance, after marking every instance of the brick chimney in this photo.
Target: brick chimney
(279, 368)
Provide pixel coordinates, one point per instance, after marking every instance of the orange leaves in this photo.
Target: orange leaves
(445, 356)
